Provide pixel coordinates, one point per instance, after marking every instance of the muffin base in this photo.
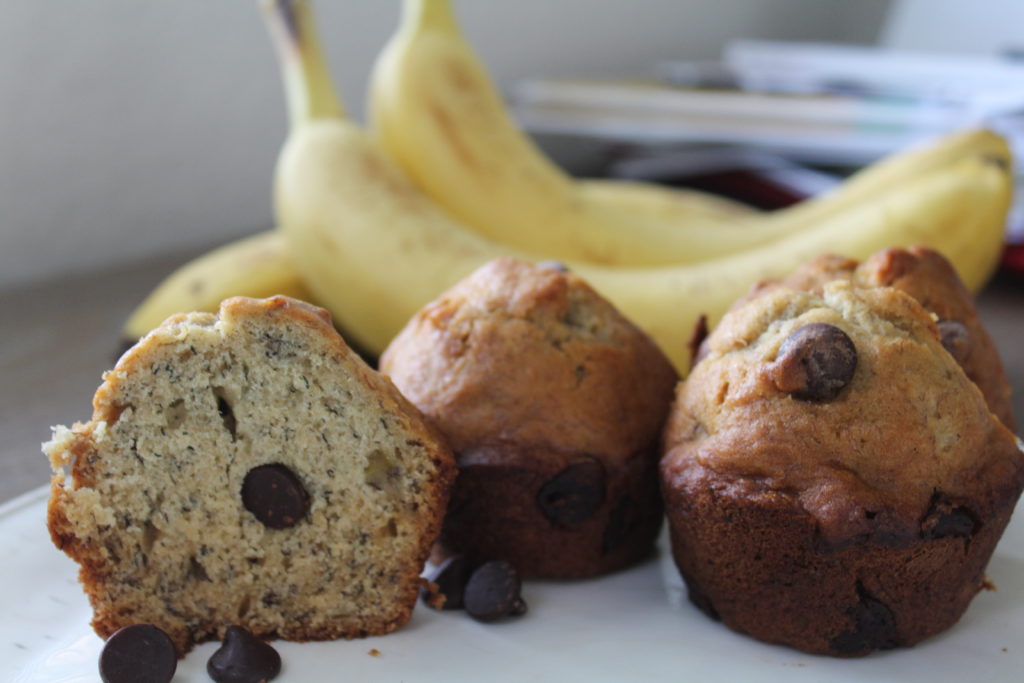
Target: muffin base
(754, 560)
(493, 514)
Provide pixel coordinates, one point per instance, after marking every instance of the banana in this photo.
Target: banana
(685, 209)
(436, 111)
(959, 211)
(375, 248)
(257, 266)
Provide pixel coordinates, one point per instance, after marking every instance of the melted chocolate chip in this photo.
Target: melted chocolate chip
(493, 592)
(946, 520)
(621, 522)
(958, 523)
(141, 653)
(450, 577)
(574, 494)
(956, 339)
(874, 628)
(275, 496)
(814, 363)
(243, 658)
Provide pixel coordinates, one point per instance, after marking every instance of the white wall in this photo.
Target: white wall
(981, 26)
(129, 128)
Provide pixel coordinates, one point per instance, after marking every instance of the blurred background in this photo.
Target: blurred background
(133, 128)
(134, 135)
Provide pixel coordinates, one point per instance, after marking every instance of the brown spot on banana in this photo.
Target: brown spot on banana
(450, 131)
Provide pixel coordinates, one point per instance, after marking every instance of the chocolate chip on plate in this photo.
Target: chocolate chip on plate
(243, 658)
(141, 653)
(493, 592)
(275, 496)
(955, 338)
(450, 577)
(574, 494)
(814, 363)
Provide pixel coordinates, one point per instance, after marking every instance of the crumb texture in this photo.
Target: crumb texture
(147, 496)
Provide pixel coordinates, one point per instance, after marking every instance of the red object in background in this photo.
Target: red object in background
(762, 180)
(1013, 259)
(747, 187)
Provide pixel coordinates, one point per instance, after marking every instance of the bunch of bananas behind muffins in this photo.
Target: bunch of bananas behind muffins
(373, 225)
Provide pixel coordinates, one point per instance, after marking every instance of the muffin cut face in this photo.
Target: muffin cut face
(248, 469)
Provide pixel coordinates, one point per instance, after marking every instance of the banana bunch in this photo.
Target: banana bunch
(435, 110)
(379, 223)
(374, 246)
(261, 265)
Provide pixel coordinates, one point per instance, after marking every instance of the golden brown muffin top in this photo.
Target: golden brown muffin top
(930, 278)
(906, 426)
(517, 352)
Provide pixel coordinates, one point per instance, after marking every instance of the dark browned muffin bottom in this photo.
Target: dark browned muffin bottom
(758, 564)
(494, 514)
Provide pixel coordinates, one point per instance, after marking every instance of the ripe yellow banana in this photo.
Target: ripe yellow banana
(655, 204)
(960, 211)
(436, 111)
(257, 266)
(374, 248)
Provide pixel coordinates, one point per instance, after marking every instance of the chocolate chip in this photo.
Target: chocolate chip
(141, 653)
(958, 523)
(874, 627)
(814, 363)
(493, 592)
(450, 577)
(946, 520)
(956, 339)
(243, 658)
(621, 522)
(574, 494)
(275, 496)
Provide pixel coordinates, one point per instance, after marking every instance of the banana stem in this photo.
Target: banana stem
(309, 90)
(423, 14)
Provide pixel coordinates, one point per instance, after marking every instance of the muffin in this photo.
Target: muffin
(930, 278)
(553, 404)
(247, 469)
(832, 479)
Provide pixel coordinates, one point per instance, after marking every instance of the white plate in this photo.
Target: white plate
(634, 625)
